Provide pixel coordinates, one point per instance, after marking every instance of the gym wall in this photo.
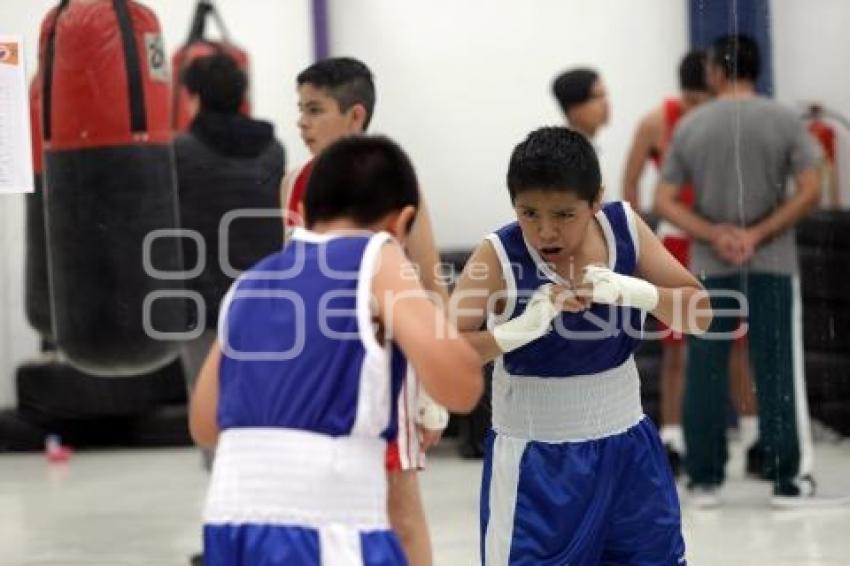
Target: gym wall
(459, 83)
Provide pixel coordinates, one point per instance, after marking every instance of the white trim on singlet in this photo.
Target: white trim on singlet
(374, 387)
(310, 237)
(632, 224)
(610, 238)
(508, 276)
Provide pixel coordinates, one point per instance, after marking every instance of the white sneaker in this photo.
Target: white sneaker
(704, 496)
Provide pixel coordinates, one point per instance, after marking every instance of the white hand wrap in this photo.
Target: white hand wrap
(531, 324)
(429, 413)
(616, 289)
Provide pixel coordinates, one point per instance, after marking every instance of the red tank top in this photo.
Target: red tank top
(673, 111)
(824, 133)
(296, 195)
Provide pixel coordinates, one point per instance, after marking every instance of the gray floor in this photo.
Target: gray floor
(141, 508)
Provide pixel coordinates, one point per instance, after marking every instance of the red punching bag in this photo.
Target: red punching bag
(109, 185)
(198, 46)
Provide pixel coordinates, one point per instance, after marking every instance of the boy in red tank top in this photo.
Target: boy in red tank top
(336, 98)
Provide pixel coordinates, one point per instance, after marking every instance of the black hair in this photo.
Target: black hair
(363, 178)
(573, 87)
(218, 81)
(692, 71)
(346, 80)
(558, 159)
(738, 57)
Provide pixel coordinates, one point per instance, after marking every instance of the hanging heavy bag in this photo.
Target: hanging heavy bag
(36, 292)
(109, 184)
(197, 45)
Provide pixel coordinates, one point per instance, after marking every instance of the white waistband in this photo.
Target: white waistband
(566, 409)
(295, 477)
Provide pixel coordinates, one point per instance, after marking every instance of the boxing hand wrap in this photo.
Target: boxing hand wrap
(615, 289)
(429, 413)
(530, 325)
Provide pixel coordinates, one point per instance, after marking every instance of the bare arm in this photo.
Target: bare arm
(203, 409)
(645, 139)
(480, 280)
(806, 197)
(422, 250)
(421, 329)
(683, 304)
(668, 207)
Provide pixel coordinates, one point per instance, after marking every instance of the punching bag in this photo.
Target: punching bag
(198, 46)
(109, 184)
(36, 291)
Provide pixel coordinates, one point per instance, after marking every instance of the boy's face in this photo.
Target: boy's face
(553, 222)
(714, 77)
(592, 114)
(320, 119)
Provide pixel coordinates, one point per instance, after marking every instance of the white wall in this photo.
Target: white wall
(460, 83)
(278, 36)
(811, 48)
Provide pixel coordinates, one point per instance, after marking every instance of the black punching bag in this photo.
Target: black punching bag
(109, 186)
(36, 291)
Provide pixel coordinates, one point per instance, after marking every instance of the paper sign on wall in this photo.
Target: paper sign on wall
(16, 173)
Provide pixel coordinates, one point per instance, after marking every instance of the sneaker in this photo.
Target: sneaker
(802, 493)
(755, 463)
(704, 496)
(675, 459)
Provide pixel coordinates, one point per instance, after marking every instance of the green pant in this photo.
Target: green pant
(772, 306)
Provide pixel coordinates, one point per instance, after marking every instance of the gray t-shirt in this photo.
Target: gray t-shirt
(739, 154)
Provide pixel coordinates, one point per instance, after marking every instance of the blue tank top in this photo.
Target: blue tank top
(601, 338)
(298, 342)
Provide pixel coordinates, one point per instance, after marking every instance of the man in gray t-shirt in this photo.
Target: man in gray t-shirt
(739, 152)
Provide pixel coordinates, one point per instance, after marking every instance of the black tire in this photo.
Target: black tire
(649, 368)
(834, 414)
(822, 274)
(453, 262)
(827, 377)
(49, 390)
(825, 230)
(472, 428)
(826, 327)
(165, 426)
(17, 434)
(650, 346)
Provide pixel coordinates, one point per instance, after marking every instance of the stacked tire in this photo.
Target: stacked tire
(823, 241)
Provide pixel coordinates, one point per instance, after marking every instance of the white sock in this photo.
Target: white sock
(673, 436)
(748, 427)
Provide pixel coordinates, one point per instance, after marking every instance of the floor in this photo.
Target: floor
(117, 508)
